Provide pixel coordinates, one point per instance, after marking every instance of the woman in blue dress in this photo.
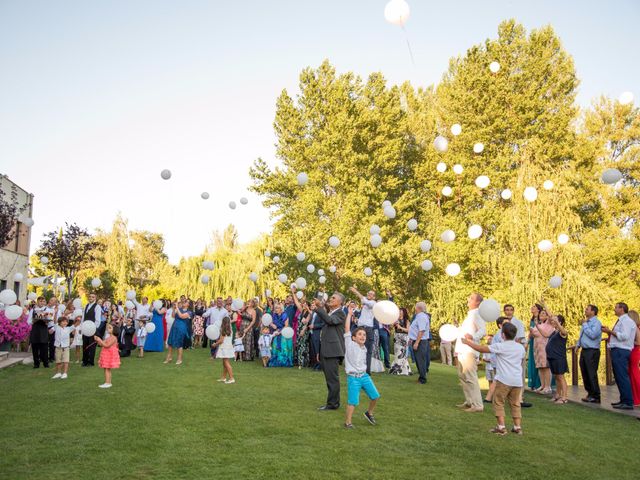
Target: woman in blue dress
(155, 340)
(281, 348)
(180, 336)
(533, 379)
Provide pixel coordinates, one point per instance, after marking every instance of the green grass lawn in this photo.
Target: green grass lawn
(167, 421)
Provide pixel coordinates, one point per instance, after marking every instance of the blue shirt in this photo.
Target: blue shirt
(590, 334)
(496, 339)
(420, 324)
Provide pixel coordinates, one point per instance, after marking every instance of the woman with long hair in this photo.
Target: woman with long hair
(533, 379)
(400, 364)
(248, 319)
(541, 333)
(634, 361)
(556, 351)
(301, 346)
(198, 322)
(179, 338)
(281, 348)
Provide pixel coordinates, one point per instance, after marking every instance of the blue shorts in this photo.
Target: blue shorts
(355, 384)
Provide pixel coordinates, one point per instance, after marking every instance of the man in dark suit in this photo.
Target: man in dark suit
(331, 345)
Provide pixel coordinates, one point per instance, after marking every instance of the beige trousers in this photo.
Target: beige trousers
(445, 354)
(468, 375)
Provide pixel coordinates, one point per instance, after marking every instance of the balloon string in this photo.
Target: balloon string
(406, 37)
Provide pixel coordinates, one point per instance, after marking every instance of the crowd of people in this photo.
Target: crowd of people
(322, 332)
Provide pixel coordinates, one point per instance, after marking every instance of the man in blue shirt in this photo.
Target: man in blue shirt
(589, 341)
(419, 339)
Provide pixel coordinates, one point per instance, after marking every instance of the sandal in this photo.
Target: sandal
(498, 430)
(561, 401)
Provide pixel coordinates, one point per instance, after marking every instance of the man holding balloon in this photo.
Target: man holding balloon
(92, 313)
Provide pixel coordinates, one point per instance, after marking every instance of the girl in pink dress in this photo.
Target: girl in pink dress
(540, 334)
(109, 356)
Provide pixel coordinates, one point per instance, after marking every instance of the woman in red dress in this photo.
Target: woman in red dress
(109, 356)
(634, 361)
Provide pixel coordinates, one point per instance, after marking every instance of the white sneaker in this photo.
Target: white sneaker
(230, 381)
(57, 375)
(105, 385)
(64, 375)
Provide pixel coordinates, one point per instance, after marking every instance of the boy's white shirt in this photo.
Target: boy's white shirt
(355, 356)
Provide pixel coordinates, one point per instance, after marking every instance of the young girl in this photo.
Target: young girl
(77, 337)
(264, 344)
(225, 352)
(109, 356)
(141, 337)
(238, 346)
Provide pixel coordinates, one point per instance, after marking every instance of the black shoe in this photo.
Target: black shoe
(36, 366)
(422, 380)
(591, 400)
(484, 400)
(526, 405)
(623, 406)
(370, 418)
(613, 404)
(327, 407)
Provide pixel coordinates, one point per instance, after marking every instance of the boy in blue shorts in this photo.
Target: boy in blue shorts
(355, 365)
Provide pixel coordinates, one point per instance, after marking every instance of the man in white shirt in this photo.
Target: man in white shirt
(620, 343)
(521, 338)
(472, 328)
(92, 313)
(214, 316)
(143, 310)
(366, 320)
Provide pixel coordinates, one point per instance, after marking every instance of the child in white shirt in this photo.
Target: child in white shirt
(77, 337)
(264, 344)
(141, 337)
(62, 344)
(238, 346)
(355, 365)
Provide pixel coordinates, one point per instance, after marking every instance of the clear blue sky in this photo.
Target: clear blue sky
(96, 97)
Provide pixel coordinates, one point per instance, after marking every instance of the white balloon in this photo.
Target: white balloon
(77, 313)
(506, 194)
(489, 310)
(96, 282)
(276, 259)
(13, 312)
(243, 200)
(204, 279)
(44, 260)
(494, 67)
(208, 265)
(301, 256)
(8, 297)
(88, 328)
(212, 332)
(374, 229)
(129, 304)
(458, 169)
(299, 294)
(386, 312)
(426, 265)
(456, 129)
(31, 296)
(441, 167)
(478, 148)
(441, 144)
(475, 232)
(237, 304)
(303, 178)
(453, 269)
(425, 246)
(375, 240)
(131, 294)
(333, 269)
(397, 12)
(555, 281)
(267, 292)
(77, 303)
(26, 221)
(625, 98)
(287, 332)
(150, 327)
(448, 236)
(283, 278)
(232, 205)
(368, 272)
(204, 195)
(448, 333)
(334, 241)
(611, 176)
(267, 319)
(267, 253)
(253, 276)
(390, 212)
(482, 181)
(412, 224)
(165, 174)
(322, 279)
(320, 272)
(545, 245)
(447, 191)
(18, 277)
(386, 204)
(301, 283)
(530, 194)
(157, 304)
(547, 185)
(311, 268)
(563, 239)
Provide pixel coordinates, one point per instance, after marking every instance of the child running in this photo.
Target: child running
(109, 356)
(225, 352)
(355, 365)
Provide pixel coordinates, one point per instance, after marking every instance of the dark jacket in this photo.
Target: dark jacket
(39, 331)
(126, 337)
(332, 334)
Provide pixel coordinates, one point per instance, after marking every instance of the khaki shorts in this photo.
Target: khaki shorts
(506, 394)
(62, 354)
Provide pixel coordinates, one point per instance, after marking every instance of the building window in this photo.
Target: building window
(16, 288)
(3, 284)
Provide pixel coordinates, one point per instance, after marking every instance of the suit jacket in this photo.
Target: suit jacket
(332, 334)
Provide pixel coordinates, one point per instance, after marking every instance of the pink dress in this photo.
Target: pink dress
(109, 356)
(541, 334)
(198, 325)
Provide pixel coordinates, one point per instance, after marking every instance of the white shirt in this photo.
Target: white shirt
(474, 326)
(625, 329)
(142, 311)
(520, 334)
(142, 332)
(62, 338)
(355, 356)
(509, 355)
(366, 314)
(214, 316)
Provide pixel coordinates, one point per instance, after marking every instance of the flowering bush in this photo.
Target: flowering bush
(13, 330)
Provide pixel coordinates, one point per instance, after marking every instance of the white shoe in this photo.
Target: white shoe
(64, 375)
(222, 380)
(105, 385)
(230, 381)
(57, 375)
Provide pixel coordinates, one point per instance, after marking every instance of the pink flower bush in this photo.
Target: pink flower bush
(13, 330)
